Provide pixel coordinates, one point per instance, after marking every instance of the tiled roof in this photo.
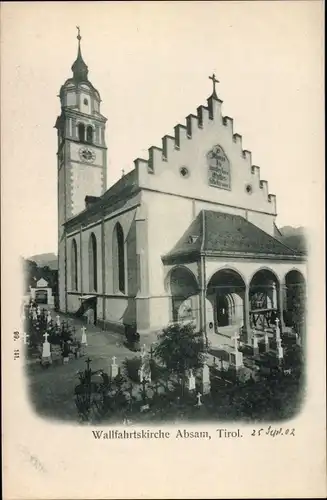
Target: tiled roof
(122, 190)
(221, 233)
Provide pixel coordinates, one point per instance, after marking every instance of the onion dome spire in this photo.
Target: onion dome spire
(79, 68)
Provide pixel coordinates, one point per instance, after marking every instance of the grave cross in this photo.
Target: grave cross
(235, 338)
(114, 360)
(88, 361)
(214, 81)
(46, 335)
(199, 402)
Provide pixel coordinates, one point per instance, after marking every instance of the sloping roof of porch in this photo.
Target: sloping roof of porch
(217, 233)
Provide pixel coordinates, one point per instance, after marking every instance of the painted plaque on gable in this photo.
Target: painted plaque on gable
(218, 168)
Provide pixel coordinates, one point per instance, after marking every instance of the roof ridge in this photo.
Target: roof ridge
(295, 252)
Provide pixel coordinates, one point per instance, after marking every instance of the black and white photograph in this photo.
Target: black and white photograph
(162, 164)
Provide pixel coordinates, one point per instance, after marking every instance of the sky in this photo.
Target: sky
(150, 62)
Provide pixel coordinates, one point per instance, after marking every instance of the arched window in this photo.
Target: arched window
(81, 132)
(93, 267)
(74, 265)
(118, 253)
(89, 134)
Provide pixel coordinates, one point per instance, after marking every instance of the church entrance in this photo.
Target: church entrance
(41, 296)
(225, 291)
(222, 313)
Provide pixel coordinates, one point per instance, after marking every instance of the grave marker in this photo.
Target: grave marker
(24, 337)
(191, 381)
(255, 344)
(199, 402)
(277, 329)
(266, 341)
(238, 355)
(114, 368)
(206, 379)
(46, 352)
(84, 339)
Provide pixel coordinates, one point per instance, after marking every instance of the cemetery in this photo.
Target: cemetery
(176, 377)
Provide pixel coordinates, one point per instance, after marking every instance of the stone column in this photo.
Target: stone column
(247, 314)
(280, 305)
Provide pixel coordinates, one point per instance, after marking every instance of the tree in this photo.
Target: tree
(180, 349)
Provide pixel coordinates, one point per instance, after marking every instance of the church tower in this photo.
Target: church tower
(81, 154)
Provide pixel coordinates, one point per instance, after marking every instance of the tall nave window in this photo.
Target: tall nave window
(74, 265)
(93, 264)
(118, 256)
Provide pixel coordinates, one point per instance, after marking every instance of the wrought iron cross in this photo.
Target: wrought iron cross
(79, 33)
(214, 81)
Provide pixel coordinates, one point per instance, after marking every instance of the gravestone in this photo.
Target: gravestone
(58, 320)
(141, 373)
(279, 349)
(24, 337)
(49, 318)
(199, 402)
(46, 352)
(255, 344)
(191, 381)
(266, 341)
(84, 339)
(114, 368)
(206, 379)
(238, 355)
(277, 329)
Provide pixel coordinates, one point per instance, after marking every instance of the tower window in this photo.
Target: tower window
(86, 102)
(81, 132)
(89, 134)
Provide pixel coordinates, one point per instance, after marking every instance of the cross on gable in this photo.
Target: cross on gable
(214, 81)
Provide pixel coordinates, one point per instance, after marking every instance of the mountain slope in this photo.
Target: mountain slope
(45, 259)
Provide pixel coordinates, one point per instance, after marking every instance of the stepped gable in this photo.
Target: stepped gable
(223, 233)
(173, 143)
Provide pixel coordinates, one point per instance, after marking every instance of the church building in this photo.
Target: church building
(188, 234)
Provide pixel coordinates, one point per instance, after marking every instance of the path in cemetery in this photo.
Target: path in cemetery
(52, 389)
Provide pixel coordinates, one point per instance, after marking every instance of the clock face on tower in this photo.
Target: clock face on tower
(87, 155)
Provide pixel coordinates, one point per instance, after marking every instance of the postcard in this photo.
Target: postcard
(163, 291)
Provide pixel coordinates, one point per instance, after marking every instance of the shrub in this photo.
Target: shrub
(131, 367)
(180, 348)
